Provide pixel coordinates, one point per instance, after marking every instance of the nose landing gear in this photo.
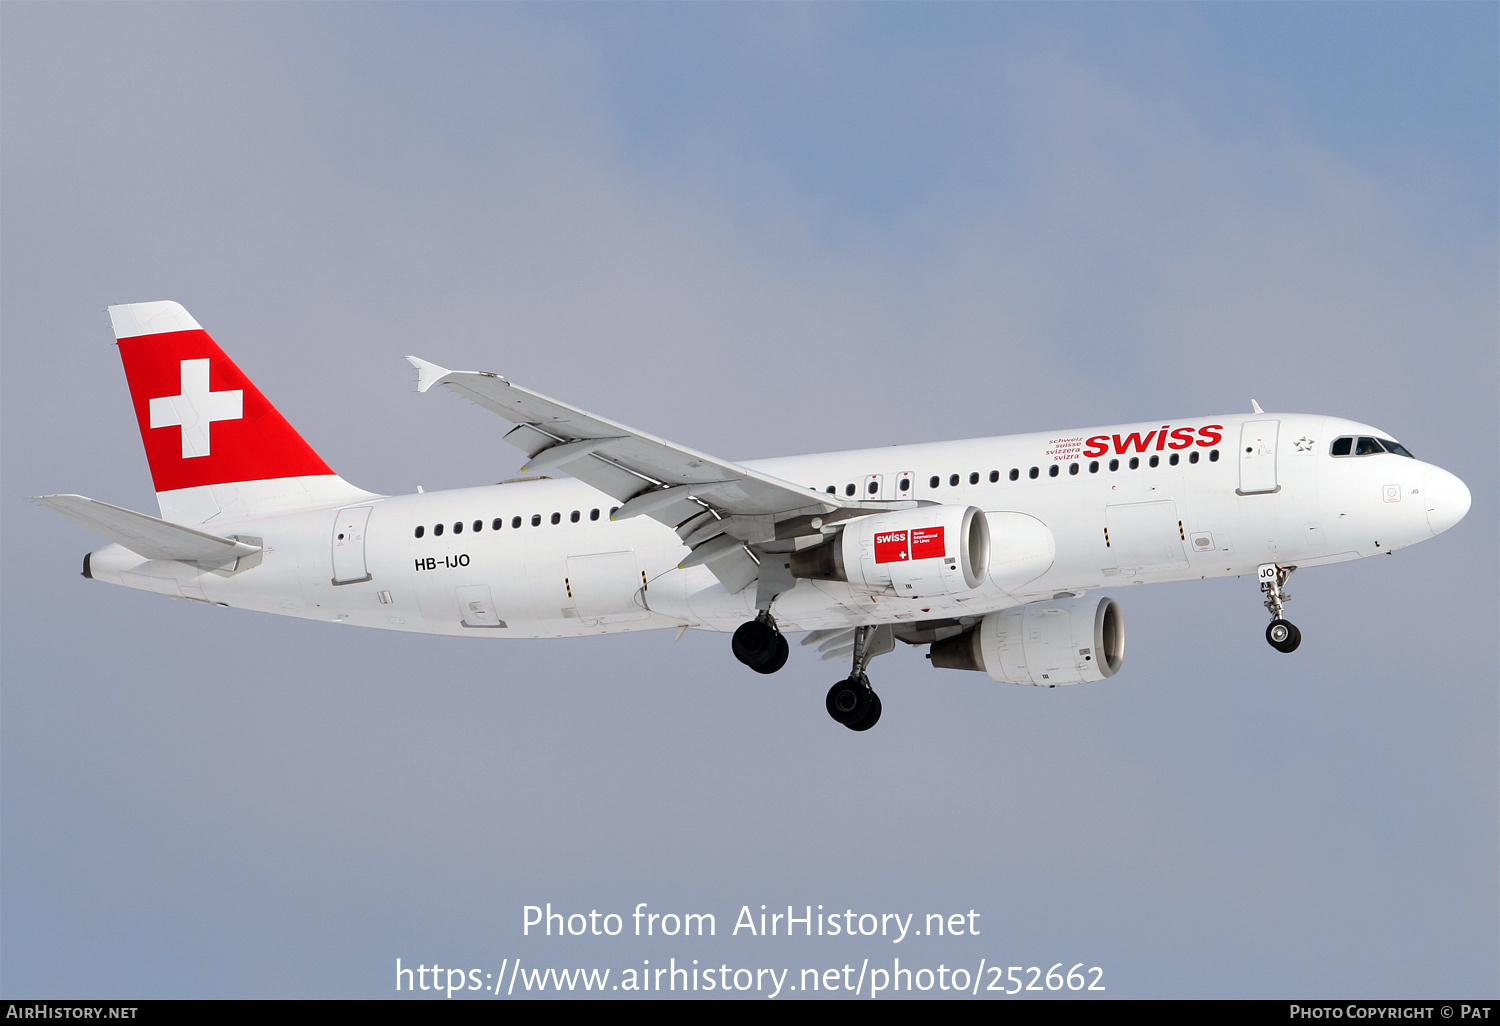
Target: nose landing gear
(1282, 634)
(760, 645)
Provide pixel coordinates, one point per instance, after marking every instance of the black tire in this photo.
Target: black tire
(779, 653)
(1283, 635)
(754, 643)
(871, 718)
(849, 701)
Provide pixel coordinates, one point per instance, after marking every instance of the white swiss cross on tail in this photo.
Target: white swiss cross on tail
(196, 408)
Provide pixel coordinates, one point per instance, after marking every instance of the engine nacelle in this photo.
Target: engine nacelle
(1060, 641)
(917, 553)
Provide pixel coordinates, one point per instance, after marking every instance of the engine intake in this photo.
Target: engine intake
(919, 553)
(1072, 640)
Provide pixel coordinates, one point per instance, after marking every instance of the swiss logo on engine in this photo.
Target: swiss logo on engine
(927, 543)
(890, 547)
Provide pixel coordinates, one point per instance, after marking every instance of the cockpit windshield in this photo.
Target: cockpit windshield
(1364, 445)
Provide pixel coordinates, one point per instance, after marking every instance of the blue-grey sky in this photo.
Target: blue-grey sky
(755, 229)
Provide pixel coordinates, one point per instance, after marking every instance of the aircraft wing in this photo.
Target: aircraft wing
(146, 535)
(722, 510)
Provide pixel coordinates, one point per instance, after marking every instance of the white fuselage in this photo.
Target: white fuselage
(1081, 529)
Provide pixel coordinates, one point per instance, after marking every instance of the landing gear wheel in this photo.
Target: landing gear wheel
(760, 646)
(778, 656)
(871, 718)
(849, 701)
(1283, 635)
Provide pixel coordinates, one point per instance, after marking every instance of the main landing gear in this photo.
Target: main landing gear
(852, 701)
(1282, 634)
(760, 645)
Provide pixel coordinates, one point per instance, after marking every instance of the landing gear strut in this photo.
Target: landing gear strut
(852, 702)
(760, 645)
(1282, 634)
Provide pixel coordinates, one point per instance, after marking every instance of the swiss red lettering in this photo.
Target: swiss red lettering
(1180, 438)
(1135, 440)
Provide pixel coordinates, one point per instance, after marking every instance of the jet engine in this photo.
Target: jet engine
(925, 552)
(1071, 640)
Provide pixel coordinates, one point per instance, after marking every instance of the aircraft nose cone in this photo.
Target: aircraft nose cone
(1446, 498)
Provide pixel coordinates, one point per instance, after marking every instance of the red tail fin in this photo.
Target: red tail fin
(216, 446)
(202, 421)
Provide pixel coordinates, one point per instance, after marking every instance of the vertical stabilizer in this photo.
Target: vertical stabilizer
(217, 448)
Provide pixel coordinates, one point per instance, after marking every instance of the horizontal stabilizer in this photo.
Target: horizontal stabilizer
(146, 535)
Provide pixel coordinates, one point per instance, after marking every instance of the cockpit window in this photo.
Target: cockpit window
(1364, 445)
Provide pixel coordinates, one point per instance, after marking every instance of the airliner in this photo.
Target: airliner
(990, 551)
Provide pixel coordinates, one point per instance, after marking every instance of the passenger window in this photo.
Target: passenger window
(974, 477)
(933, 483)
(1193, 456)
(1172, 459)
(1367, 447)
(458, 528)
(832, 490)
(1155, 461)
(437, 530)
(953, 481)
(1135, 462)
(1032, 473)
(613, 510)
(536, 520)
(1213, 455)
(873, 487)
(1342, 446)
(478, 526)
(573, 516)
(1015, 474)
(905, 484)
(593, 514)
(498, 523)
(994, 476)
(515, 521)
(556, 518)
(1073, 469)
(1114, 464)
(421, 530)
(1052, 470)
(1093, 466)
